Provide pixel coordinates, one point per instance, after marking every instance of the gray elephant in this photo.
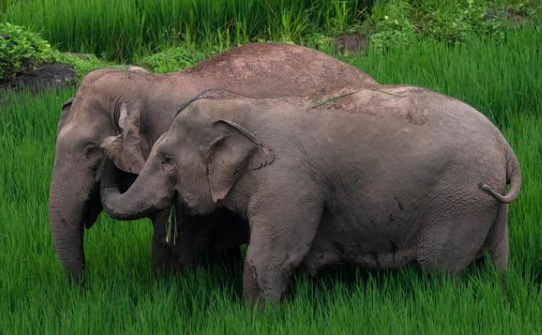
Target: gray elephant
(136, 108)
(378, 178)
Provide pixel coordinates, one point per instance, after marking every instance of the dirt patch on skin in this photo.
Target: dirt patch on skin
(249, 52)
(86, 88)
(332, 98)
(269, 63)
(219, 94)
(384, 101)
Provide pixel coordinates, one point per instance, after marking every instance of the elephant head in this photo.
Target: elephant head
(199, 159)
(74, 200)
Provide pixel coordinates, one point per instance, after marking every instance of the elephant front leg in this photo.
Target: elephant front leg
(280, 239)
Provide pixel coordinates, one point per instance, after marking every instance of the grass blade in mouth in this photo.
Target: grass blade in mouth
(172, 233)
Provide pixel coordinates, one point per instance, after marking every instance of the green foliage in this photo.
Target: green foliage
(86, 64)
(128, 30)
(397, 23)
(287, 25)
(340, 17)
(21, 50)
(124, 30)
(122, 295)
(392, 27)
(456, 24)
(173, 59)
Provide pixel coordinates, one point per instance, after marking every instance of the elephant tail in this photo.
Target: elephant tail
(513, 178)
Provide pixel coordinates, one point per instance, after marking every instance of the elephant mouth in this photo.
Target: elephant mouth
(187, 202)
(165, 202)
(92, 208)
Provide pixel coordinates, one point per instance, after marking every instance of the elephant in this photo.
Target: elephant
(379, 178)
(133, 109)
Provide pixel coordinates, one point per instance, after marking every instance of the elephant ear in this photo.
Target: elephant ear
(64, 113)
(232, 155)
(125, 149)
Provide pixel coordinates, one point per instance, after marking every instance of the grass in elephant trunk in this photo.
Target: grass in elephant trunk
(172, 233)
(503, 80)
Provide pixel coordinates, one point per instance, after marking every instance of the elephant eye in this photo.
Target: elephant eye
(168, 163)
(93, 153)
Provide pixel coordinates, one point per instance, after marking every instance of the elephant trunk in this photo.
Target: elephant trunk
(138, 201)
(67, 216)
(74, 203)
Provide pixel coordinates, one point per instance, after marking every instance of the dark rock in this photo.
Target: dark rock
(513, 18)
(352, 43)
(138, 69)
(44, 76)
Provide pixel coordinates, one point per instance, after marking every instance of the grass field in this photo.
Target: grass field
(125, 28)
(123, 296)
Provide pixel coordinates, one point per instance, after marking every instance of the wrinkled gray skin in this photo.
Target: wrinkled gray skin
(134, 109)
(377, 178)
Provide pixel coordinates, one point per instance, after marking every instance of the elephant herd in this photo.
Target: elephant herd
(306, 159)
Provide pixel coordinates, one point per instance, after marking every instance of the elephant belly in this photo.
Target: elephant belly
(362, 245)
(324, 254)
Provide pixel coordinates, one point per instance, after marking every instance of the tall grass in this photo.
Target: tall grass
(120, 28)
(123, 296)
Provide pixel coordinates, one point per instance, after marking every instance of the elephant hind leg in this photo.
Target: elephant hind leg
(496, 243)
(453, 239)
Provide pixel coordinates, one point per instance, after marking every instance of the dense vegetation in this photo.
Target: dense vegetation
(497, 70)
(119, 28)
(126, 30)
(20, 50)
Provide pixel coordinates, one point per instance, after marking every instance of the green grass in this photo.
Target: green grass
(124, 27)
(125, 30)
(122, 296)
